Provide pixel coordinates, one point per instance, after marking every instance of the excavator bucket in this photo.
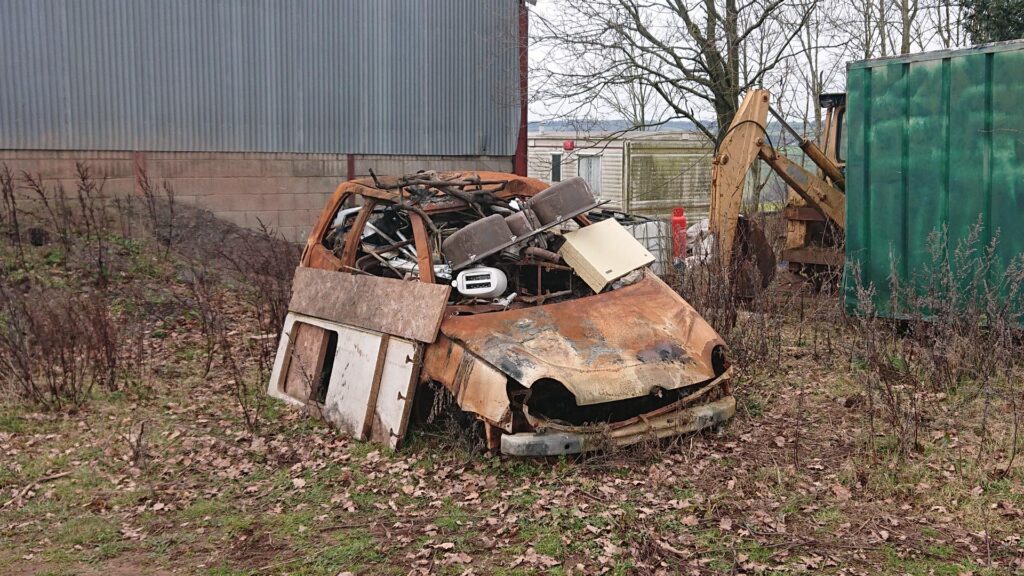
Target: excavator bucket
(752, 266)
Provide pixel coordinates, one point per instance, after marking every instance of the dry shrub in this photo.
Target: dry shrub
(55, 346)
(159, 201)
(56, 208)
(265, 262)
(948, 353)
(750, 325)
(9, 216)
(248, 360)
(93, 221)
(80, 222)
(205, 294)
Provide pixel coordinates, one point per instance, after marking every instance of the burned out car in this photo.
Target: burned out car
(539, 318)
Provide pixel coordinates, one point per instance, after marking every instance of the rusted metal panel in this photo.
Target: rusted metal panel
(477, 386)
(680, 417)
(803, 213)
(616, 345)
(378, 304)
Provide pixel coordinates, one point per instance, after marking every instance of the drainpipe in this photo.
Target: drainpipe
(519, 162)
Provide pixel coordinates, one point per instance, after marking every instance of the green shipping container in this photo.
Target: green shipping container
(933, 140)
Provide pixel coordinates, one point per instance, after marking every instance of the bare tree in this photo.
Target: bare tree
(908, 11)
(637, 102)
(697, 56)
(946, 16)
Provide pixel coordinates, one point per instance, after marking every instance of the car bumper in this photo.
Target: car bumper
(555, 440)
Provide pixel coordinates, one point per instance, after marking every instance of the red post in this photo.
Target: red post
(678, 234)
(350, 167)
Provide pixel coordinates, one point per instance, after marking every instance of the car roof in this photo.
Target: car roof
(514, 186)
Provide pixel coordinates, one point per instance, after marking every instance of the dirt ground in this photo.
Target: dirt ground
(163, 476)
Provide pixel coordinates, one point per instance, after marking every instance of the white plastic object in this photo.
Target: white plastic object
(481, 282)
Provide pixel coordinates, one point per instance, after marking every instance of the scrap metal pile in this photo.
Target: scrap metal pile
(496, 253)
(534, 309)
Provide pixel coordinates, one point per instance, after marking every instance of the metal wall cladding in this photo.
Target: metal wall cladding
(437, 77)
(935, 141)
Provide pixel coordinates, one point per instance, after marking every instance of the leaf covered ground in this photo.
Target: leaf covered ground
(163, 476)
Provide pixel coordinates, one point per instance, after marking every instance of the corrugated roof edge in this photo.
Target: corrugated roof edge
(989, 48)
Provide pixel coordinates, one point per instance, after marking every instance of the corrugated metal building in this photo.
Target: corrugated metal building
(394, 85)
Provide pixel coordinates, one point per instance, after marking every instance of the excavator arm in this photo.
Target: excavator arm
(746, 141)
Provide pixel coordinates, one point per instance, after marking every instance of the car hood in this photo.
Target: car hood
(611, 346)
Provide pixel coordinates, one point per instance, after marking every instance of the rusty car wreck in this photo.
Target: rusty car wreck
(527, 302)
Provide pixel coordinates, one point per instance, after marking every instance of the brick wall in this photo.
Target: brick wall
(285, 191)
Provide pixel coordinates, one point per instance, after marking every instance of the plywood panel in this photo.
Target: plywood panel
(276, 388)
(394, 397)
(408, 309)
(372, 382)
(351, 382)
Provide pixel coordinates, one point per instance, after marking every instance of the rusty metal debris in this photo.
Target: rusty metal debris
(495, 287)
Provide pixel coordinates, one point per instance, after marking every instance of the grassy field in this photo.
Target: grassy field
(164, 474)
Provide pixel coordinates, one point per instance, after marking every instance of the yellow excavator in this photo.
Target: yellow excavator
(815, 210)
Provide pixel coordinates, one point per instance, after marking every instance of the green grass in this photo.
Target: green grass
(829, 517)
(86, 530)
(357, 549)
(451, 517)
(12, 423)
(944, 565)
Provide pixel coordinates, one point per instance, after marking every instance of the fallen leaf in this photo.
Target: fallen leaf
(841, 492)
(457, 558)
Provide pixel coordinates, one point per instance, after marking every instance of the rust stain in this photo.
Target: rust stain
(477, 386)
(712, 404)
(610, 346)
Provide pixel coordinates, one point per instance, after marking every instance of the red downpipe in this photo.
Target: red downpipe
(519, 162)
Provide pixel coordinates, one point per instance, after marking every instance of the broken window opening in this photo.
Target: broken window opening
(589, 168)
(320, 392)
(550, 399)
